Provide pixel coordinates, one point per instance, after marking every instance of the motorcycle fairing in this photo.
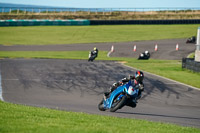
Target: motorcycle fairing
(117, 91)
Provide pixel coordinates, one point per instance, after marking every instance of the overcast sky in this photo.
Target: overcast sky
(109, 3)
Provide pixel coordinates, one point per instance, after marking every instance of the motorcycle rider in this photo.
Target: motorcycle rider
(93, 54)
(191, 39)
(138, 84)
(145, 55)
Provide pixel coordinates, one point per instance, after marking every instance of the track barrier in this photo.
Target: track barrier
(68, 22)
(143, 22)
(36, 22)
(191, 64)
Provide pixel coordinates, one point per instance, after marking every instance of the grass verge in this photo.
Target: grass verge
(19, 118)
(45, 35)
(171, 69)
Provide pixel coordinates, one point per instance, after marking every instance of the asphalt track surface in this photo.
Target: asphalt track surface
(166, 48)
(77, 85)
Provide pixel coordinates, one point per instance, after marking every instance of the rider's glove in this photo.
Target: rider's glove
(120, 83)
(114, 84)
(132, 77)
(125, 80)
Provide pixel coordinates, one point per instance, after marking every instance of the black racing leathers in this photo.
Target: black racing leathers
(93, 55)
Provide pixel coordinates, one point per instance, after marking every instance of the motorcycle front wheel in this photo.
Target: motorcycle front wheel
(100, 106)
(118, 104)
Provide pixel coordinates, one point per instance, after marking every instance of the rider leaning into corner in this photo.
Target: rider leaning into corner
(93, 54)
(137, 81)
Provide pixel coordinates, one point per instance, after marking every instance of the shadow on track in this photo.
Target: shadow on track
(159, 86)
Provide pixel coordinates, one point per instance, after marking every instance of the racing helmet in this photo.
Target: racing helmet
(139, 76)
(95, 48)
(146, 52)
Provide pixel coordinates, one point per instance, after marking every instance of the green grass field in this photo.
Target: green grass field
(45, 35)
(19, 118)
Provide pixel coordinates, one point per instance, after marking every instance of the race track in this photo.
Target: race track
(166, 48)
(77, 85)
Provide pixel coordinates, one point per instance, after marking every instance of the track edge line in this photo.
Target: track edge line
(161, 77)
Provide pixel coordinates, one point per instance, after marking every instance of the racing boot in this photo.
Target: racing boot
(131, 104)
(134, 100)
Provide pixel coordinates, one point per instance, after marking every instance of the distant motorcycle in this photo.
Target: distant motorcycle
(93, 54)
(191, 40)
(121, 96)
(144, 56)
(92, 57)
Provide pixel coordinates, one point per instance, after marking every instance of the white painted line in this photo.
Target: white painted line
(1, 92)
(161, 77)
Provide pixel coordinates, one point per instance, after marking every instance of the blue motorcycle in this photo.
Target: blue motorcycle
(121, 96)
